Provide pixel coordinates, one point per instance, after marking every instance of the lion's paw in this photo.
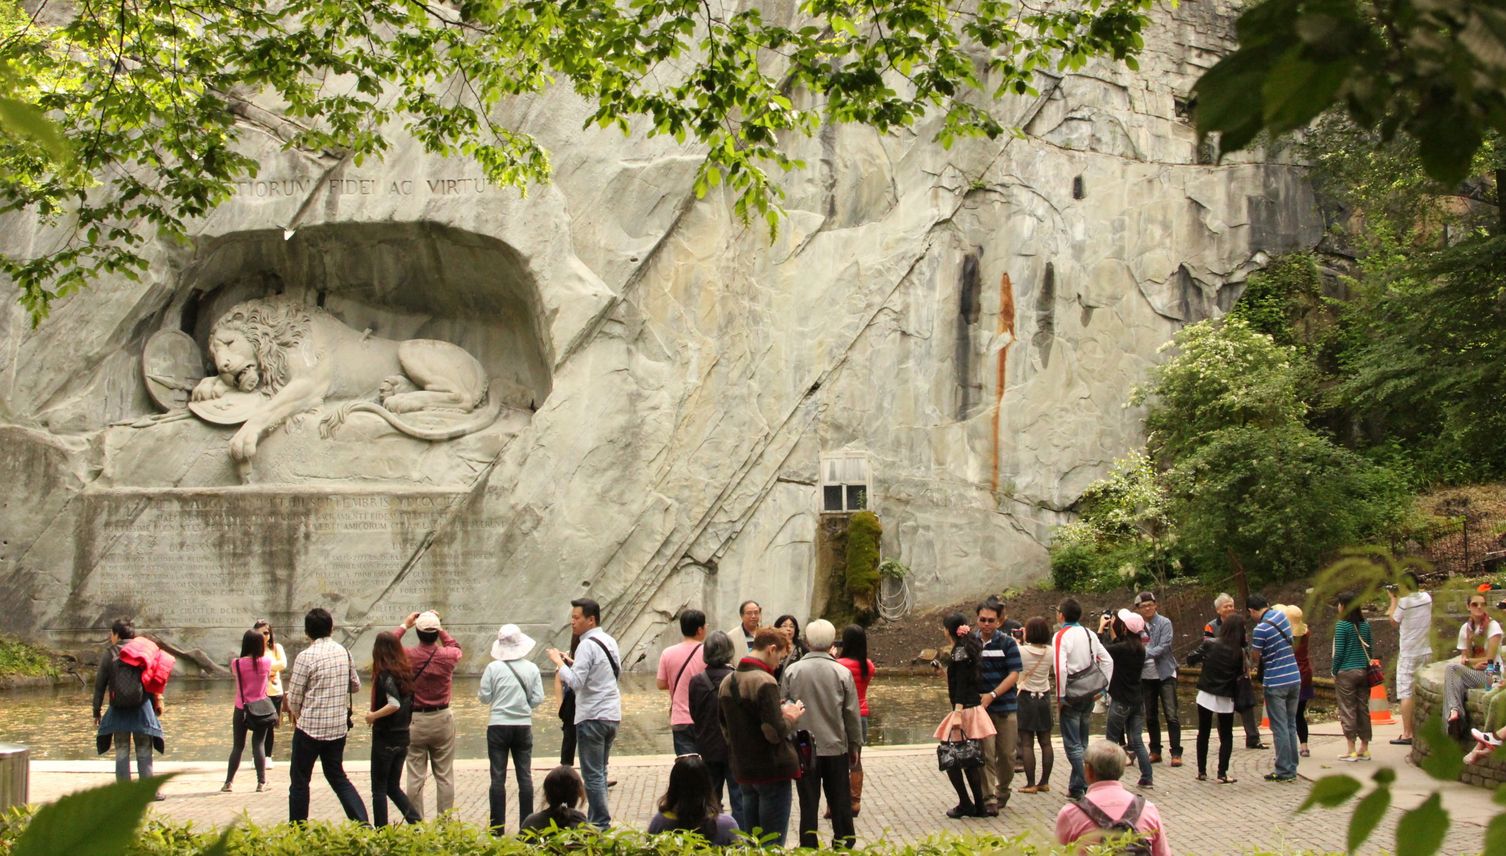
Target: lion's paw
(208, 388)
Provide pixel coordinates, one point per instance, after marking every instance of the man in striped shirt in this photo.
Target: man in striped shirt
(998, 673)
(1271, 640)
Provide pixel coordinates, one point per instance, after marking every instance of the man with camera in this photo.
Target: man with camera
(1413, 614)
(1158, 680)
(431, 742)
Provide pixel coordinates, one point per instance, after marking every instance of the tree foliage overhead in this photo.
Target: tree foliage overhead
(154, 94)
(1433, 71)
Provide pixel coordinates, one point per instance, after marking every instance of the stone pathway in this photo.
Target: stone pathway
(904, 799)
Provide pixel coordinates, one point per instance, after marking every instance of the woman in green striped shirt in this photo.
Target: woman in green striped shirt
(1351, 661)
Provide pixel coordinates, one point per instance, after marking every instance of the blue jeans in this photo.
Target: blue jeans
(684, 740)
(593, 740)
(1281, 706)
(1074, 720)
(1126, 721)
(767, 808)
(122, 742)
(720, 772)
(503, 741)
(331, 757)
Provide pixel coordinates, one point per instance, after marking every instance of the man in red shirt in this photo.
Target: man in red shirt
(677, 665)
(1093, 817)
(431, 736)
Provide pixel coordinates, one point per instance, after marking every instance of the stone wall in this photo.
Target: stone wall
(970, 320)
(1428, 701)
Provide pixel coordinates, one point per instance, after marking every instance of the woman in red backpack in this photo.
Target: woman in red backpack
(250, 671)
(132, 713)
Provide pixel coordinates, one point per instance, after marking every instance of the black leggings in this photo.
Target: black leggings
(975, 781)
(238, 728)
(1225, 740)
(272, 732)
(1302, 721)
(1028, 739)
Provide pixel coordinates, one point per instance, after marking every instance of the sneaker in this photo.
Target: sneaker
(1362, 756)
(225, 789)
(1256, 746)
(1145, 784)
(1485, 737)
(271, 765)
(1349, 756)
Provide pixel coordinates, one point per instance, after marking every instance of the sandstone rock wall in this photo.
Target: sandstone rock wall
(972, 320)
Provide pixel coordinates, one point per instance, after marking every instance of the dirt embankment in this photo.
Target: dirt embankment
(901, 643)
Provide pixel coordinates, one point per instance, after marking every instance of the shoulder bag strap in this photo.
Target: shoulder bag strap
(675, 684)
(1131, 814)
(515, 676)
(1264, 622)
(1094, 813)
(616, 670)
(432, 655)
(1030, 674)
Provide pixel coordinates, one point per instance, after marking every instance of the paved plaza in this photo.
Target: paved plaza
(904, 798)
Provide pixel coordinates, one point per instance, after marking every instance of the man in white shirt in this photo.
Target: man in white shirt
(1076, 652)
(593, 675)
(1414, 613)
(749, 614)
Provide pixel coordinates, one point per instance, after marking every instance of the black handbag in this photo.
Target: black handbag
(1244, 693)
(960, 754)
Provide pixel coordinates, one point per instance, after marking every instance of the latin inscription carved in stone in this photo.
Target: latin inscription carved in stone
(280, 188)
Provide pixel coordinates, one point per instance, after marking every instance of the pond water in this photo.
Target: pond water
(57, 724)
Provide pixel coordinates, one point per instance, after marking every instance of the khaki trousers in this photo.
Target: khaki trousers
(431, 744)
(998, 758)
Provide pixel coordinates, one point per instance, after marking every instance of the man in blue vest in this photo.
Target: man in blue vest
(998, 675)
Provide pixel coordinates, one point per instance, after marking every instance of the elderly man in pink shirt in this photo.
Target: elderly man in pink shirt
(1108, 809)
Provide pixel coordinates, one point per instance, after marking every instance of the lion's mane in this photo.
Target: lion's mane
(273, 327)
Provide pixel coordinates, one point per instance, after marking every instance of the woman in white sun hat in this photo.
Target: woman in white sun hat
(513, 687)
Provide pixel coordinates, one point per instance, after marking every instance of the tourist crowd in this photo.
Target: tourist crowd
(766, 719)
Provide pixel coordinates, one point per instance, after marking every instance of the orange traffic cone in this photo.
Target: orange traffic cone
(1380, 705)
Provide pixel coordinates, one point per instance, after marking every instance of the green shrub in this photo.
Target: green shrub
(862, 576)
(18, 659)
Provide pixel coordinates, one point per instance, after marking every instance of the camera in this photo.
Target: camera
(1389, 587)
(1108, 613)
(1501, 604)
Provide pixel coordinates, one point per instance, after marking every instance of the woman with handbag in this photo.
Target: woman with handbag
(1034, 715)
(1223, 662)
(1351, 675)
(961, 732)
(253, 710)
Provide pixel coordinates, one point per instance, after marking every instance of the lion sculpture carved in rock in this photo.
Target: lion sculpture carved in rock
(281, 358)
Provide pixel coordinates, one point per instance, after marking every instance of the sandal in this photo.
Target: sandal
(1029, 789)
(1043, 789)
(225, 789)
(1306, 753)
(1227, 780)
(1202, 777)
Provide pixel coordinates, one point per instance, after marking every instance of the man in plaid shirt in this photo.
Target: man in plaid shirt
(318, 700)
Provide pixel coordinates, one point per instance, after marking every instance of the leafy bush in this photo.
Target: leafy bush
(1244, 474)
(18, 659)
(1122, 534)
(103, 822)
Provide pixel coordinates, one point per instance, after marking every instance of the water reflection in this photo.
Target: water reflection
(57, 724)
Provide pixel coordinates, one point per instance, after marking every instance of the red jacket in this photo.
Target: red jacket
(156, 664)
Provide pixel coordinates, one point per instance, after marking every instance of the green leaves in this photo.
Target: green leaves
(1367, 814)
(1421, 830)
(1331, 791)
(158, 95)
(95, 822)
(1434, 72)
(1444, 760)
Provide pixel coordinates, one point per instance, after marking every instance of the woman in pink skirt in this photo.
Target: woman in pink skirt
(968, 716)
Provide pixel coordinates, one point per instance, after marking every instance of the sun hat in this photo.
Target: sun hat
(1133, 622)
(511, 644)
(1294, 617)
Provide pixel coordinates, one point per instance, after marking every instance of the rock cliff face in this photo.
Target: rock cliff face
(968, 322)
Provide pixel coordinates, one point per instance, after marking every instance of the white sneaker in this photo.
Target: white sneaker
(1485, 737)
(271, 765)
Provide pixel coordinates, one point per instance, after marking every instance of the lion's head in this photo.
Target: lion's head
(249, 344)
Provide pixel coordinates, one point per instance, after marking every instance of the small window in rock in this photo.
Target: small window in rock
(1183, 108)
(1077, 189)
(1206, 154)
(845, 482)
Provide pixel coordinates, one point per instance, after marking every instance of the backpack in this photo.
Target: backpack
(1123, 826)
(126, 691)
